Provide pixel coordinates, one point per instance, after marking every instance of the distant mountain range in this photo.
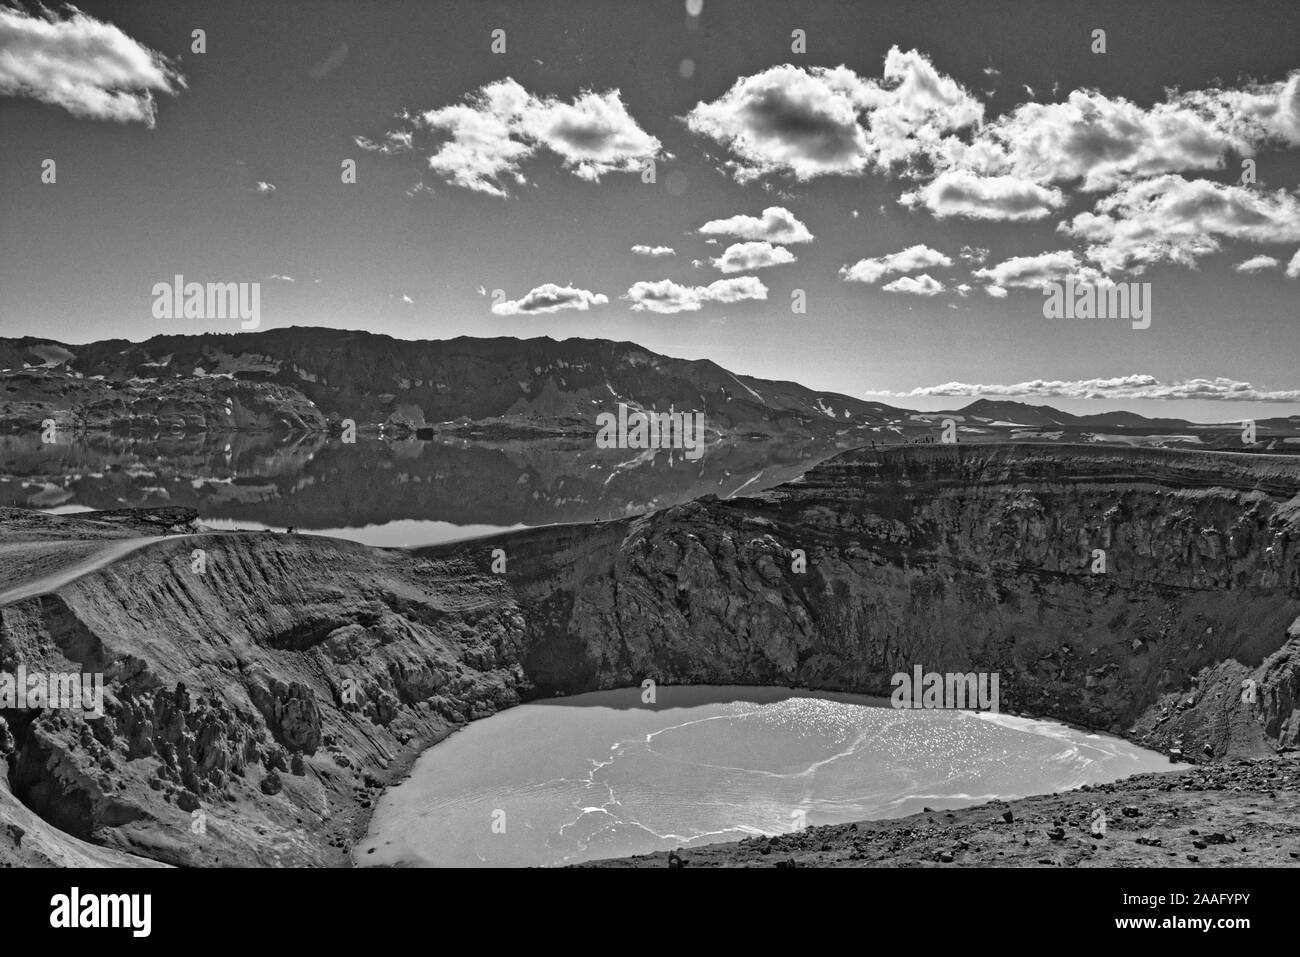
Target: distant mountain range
(1010, 412)
(304, 379)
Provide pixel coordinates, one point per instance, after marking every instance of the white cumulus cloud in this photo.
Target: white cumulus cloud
(911, 259)
(969, 195)
(776, 225)
(88, 67)
(922, 285)
(1172, 219)
(1035, 272)
(550, 297)
(743, 257)
(481, 143)
(818, 121)
(666, 296)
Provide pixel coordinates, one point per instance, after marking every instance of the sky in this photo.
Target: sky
(912, 174)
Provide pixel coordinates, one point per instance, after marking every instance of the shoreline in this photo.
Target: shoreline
(1227, 814)
(402, 766)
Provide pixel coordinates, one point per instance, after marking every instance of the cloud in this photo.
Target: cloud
(743, 257)
(89, 68)
(481, 143)
(1098, 142)
(910, 259)
(666, 296)
(1171, 219)
(263, 188)
(923, 285)
(1035, 272)
(819, 121)
(1293, 267)
(971, 196)
(1121, 387)
(776, 225)
(653, 251)
(277, 276)
(974, 254)
(997, 292)
(394, 141)
(549, 297)
(1257, 264)
(1258, 114)
(1095, 141)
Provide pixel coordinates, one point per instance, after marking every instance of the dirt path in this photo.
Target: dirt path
(36, 568)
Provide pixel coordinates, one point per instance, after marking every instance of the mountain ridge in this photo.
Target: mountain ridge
(311, 379)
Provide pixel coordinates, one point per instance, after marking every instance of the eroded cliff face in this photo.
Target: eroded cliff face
(313, 669)
(252, 710)
(958, 558)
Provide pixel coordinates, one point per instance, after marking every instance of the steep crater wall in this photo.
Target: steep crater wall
(956, 558)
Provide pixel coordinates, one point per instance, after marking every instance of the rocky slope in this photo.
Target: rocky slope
(1243, 814)
(312, 669)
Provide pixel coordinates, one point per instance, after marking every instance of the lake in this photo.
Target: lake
(604, 775)
(391, 492)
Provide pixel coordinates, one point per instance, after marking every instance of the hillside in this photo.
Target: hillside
(310, 379)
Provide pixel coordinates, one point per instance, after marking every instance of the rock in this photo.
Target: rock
(1130, 811)
(276, 759)
(271, 784)
(290, 711)
(187, 801)
(1008, 816)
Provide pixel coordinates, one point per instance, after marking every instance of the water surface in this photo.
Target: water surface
(604, 775)
(392, 492)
